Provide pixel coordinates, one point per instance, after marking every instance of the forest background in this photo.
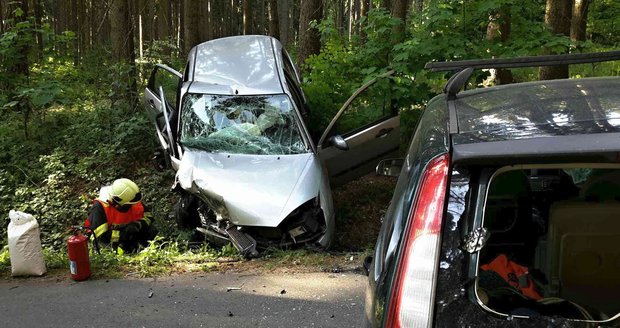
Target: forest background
(72, 74)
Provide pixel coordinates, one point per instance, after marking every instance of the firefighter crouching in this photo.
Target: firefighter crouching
(118, 217)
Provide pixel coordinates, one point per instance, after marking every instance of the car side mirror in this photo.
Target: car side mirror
(338, 142)
(390, 167)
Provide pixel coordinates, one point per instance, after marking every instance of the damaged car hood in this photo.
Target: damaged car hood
(256, 190)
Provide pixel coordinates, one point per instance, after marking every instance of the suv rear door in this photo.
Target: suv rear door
(365, 130)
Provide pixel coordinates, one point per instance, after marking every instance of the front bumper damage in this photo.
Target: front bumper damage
(305, 225)
(253, 204)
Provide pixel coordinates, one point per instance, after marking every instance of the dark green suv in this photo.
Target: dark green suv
(507, 207)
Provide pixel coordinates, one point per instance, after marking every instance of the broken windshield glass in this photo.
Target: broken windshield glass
(257, 125)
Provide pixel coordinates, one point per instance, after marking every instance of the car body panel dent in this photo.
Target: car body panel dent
(292, 180)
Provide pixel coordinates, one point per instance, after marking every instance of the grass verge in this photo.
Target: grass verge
(359, 204)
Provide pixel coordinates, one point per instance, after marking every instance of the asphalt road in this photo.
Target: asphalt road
(209, 300)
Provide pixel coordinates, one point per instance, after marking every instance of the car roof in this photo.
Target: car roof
(539, 109)
(536, 122)
(239, 65)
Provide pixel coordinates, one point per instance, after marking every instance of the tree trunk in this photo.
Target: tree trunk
(137, 9)
(365, 7)
(215, 22)
(210, 35)
(122, 34)
(247, 17)
(355, 16)
(163, 20)
(283, 11)
(1, 17)
(499, 28)
(179, 23)
(74, 27)
(84, 26)
(399, 10)
(274, 19)
(100, 23)
(294, 11)
(558, 19)
(387, 4)
(309, 38)
(148, 16)
(263, 26)
(191, 25)
(226, 18)
(340, 17)
(122, 31)
(418, 6)
(20, 64)
(38, 12)
(580, 17)
(97, 11)
(61, 16)
(204, 21)
(350, 19)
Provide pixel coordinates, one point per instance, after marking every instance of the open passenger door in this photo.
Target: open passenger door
(161, 101)
(364, 131)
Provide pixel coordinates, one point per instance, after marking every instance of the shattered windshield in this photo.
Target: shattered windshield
(260, 125)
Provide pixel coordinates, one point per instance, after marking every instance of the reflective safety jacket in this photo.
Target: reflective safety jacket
(103, 218)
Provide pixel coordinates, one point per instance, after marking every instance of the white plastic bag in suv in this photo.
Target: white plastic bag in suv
(25, 245)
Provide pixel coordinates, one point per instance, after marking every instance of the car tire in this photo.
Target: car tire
(186, 212)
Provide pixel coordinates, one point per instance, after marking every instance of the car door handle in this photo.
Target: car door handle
(383, 132)
(151, 102)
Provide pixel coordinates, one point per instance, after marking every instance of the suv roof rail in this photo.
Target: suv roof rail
(529, 61)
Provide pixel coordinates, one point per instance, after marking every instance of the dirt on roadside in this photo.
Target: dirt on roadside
(359, 206)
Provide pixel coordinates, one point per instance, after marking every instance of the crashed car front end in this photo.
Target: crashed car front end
(255, 178)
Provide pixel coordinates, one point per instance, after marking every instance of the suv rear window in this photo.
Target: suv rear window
(553, 242)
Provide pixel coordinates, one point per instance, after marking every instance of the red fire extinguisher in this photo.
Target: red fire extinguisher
(79, 261)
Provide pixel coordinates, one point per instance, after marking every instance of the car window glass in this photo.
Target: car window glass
(263, 125)
(166, 80)
(296, 94)
(372, 105)
(288, 66)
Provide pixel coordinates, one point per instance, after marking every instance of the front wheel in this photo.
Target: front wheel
(186, 212)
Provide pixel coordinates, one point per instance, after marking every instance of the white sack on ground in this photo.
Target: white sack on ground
(25, 245)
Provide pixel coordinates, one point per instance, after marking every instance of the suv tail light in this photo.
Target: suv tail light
(411, 301)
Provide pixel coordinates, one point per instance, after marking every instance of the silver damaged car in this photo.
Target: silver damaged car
(247, 170)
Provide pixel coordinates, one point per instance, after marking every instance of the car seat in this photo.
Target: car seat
(602, 185)
(583, 253)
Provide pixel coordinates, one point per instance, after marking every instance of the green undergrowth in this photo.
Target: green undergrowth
(160, 258)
